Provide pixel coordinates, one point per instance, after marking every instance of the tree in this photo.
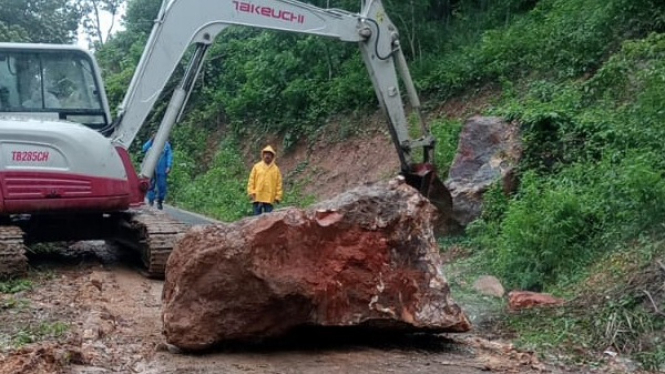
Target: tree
(141, 15)
(39, 21)
(92, 19)
(119, 54)
(12, 33)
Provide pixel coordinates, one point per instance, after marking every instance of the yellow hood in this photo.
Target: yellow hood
(269, 149)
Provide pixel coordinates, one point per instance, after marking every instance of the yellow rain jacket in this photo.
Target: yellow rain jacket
(265, 180)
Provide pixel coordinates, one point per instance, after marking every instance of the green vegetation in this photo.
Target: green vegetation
(591, 178)
(44, 331)
(15, 286)
(13, 303)
(446, 133)
(52, 21)
(617, 305)
(221, 192)
(592, 169)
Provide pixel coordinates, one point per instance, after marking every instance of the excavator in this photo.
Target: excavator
(65, 170)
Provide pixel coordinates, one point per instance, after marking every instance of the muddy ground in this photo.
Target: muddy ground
(92, 311)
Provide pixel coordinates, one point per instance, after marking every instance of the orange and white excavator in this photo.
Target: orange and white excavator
(65, 170)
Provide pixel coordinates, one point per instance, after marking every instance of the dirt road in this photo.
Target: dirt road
(109, 318)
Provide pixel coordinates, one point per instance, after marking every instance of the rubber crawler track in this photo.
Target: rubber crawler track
(153, 233)
(13, 262)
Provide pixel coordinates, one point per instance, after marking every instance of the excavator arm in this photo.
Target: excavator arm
(181, 23)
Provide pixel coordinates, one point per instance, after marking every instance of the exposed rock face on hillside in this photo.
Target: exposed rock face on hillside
(489, 149)
(366, 258)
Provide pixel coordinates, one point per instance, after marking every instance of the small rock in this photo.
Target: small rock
(626, 365)
(139, 367)
(105, 328)
(88, 370)
(89, 334)
(97, 280)
(489, 285)
(610, 352)
(161, 347)
(518, 300)
(173, 349)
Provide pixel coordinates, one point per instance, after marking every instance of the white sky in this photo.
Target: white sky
(105, 19)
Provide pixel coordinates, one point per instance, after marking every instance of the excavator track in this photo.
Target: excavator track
(13, 261)
(153, 234)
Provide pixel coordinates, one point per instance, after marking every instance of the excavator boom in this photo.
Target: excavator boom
(182, 23)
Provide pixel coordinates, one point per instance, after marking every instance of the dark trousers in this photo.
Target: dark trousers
(158, 182)
(262, 208)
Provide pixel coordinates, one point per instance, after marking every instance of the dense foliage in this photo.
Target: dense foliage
(44, 21)
(592, 167)
(282, 82)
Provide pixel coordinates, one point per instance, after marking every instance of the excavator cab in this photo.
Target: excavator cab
(40, 82)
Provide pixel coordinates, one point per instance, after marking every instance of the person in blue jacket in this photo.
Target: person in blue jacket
(162, 170)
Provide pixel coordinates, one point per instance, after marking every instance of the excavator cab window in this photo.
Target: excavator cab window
(51, 84)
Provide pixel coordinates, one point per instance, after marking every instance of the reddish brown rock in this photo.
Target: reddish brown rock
(518, 300)
(367, 257)
(489, 149)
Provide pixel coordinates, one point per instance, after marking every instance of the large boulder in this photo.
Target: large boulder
(365, 258)
(488, 151)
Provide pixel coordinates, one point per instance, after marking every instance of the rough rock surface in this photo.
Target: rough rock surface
(489, 149)
(518, 300)
(366, 258)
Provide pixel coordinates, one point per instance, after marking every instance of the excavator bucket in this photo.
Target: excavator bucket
(424, 178)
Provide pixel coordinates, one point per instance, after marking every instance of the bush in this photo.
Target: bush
(545, 233)
(446, 133)
(221, 191)
(558, 225)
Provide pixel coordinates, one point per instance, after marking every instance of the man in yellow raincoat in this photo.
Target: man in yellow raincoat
(265, 183)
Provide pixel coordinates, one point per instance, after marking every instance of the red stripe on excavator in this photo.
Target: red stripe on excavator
(72, 205)
(33, 192)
